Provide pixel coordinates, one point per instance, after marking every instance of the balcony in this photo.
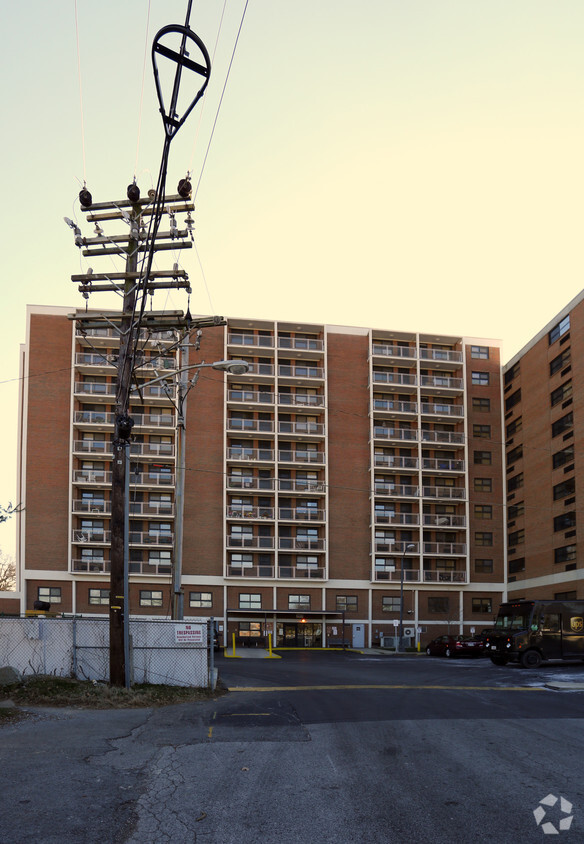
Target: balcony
(92, 476)
(291, 514)
(438, 520)
(443, 437)
(396, 490)
(408, 519)
(394, 575)
(300, 573)
(300, 400)
(93, 419)
(247, 512)
(250, 571)
(394, 379)
(93, 507)
(308, 344)
(440, 382)
(250, 397)
(445, 356)
(137, 537)
(146, 508)
(101, 448)
(301, 485)
(395, 434)
(441, 465)
(437, 409)
(292, 543)
(256, 455)
(391, 461)
(91, 537)
(155, 450)
(447, 492)
(93, 361)
(390, 546)
(457, 549)
(300, 372)
(250, 426)
(151, 479)
(301, 429)
(300, 456)
(445, 577)
(240, 482)
(263, 371)
(392, 406)
(90, 566)
(389, 351)
(245, 541)
(103, 567)
(257, 340)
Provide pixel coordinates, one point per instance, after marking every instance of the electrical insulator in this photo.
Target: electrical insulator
(133, 192)
(185, 188)
(85, 198)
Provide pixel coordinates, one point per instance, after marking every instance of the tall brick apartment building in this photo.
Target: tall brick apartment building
(544, 422)
(341, 455)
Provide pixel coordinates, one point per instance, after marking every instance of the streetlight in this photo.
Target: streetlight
(409, 547)
(236, 366)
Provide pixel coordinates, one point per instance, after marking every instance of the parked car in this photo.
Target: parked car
(451, 646)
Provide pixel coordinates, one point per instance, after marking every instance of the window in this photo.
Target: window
(99, 596)
(483, 511)
(563, 424)
(298, 602)
(482, 605)
(250, 601)
(483, 431)
(516, 482)
(481, 405)
(483, 537)
(150, 598)
(483, 484)
(565, 521)
(250, 628)
(50, 594)
(516, 510)
(480, 379)
(515, 426)
(564, 554)
(479, 352)
(511, 374)
(516, 538)
(566, 596)
(482, 458)
(513, 399)
(560, 361)
(562, 327)
(389, 603)
(242, 561)
(438, 605)
(346, 603)
(484, 566)
(560, 458)
(515, 454)
(564, 391)
(564, 489)
(517, 565)
(200, 599)
(306, 561)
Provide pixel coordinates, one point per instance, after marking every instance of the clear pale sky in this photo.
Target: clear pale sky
(411, 164)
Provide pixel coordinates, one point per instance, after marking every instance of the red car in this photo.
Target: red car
(452, 646)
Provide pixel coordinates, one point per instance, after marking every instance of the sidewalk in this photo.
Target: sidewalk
(263, 653)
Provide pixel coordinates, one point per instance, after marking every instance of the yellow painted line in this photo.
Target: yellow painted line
(363, 686)
(210, 732)
(243, 714)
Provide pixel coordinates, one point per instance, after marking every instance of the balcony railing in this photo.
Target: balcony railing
(141, 420)
(446, 437)
(251, 425)
(301, 428)
(392, 461)
(93, 359)
(91, 476)
(396, 490)
(138, 537)
(265, 341)
(87, 566)
(456, 548)
(151, 479)
(297, 573)
(300, 456)
(287, 514)
(245, 512)
(390, 546)
(394, 575)
(395, 406)
(440, 381)
(400, 434)
(93, 447)
(261, 369)
(251, 396)
(291, 543)
(299, 371)
(396, 518)
(441, 355)
(394, 351)
(85, 506)
(301, 343)
(300, 485)
(442, 465)
(437, 409)
(300, 400)
(243, 482)
(251, 454)
(96, 388)
(250, 541)
(458, 493)
(104, 447)
(250, 571)
(438, 520)
(394, 378)
(445, 576)
(91, 537)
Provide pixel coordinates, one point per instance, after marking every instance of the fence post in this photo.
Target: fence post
(74, 634)
(211, 650)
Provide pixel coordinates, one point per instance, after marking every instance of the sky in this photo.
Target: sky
(403, 164)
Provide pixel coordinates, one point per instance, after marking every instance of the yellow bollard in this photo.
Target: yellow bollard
(270, 644)
(419, 646)
(233, 644)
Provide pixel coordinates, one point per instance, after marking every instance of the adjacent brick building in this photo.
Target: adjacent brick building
(341, 455)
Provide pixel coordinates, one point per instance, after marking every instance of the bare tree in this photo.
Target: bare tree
(7, 573)
(11, 510)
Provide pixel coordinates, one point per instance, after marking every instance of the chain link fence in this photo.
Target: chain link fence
(161, 652)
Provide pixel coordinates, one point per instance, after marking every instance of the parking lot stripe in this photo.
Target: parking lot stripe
(366, 686)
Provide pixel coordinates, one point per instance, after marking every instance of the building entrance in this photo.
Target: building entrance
(301, 635)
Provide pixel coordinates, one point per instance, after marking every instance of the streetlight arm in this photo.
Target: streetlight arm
(235, 366)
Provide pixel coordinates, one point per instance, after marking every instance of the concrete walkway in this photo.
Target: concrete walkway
(263, 653)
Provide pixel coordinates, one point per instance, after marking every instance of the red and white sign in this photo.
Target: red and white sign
(191, 634)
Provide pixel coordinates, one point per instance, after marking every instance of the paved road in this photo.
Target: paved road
(317, 747)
